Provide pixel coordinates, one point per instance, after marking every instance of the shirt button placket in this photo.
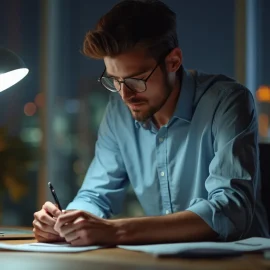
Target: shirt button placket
(162, 169)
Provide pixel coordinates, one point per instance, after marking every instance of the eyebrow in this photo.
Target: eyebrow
(131, 75)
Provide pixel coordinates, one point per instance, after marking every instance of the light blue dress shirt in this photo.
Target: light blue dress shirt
(204, 160)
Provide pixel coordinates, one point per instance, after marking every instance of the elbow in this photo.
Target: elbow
(230, 220)
(235, 219)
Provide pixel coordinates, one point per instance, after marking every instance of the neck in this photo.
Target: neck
(163, 116)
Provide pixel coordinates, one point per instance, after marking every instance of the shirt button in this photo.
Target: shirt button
(162, 173)
(161, 140)
(167, 212)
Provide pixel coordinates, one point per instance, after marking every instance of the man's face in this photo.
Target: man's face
(137, 65)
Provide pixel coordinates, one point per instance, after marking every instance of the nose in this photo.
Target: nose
(126, 93)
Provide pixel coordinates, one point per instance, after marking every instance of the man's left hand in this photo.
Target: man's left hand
(81, 229)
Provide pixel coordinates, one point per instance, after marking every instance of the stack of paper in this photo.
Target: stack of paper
(204, 248)
(175, 249)
(45, 247)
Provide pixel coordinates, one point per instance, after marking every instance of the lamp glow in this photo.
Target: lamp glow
(12, 69)
(12, 77)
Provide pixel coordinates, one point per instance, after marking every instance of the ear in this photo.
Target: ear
(174, 60)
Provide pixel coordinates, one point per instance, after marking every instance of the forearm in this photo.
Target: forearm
(179, 227)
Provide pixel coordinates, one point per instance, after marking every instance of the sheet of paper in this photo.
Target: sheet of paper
(193, 249)
(247, 245)
(46, 247)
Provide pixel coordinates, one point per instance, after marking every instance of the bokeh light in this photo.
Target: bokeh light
(30, 108)
(263, 93)
(40, 100)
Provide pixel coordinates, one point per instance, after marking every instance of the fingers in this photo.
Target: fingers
(44, 227)
(80, 228)
(44, 221)
(69, 217)
(71, 227)
(81, 235)
(43, 217)
(51, 209)
(42, 236)
(85, 236)
(39, 238)
(44, 232)
(81, 238)
(71, 237)
(73, 231)
(77, 242)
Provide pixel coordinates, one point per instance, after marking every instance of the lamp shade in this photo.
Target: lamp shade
(12, 69)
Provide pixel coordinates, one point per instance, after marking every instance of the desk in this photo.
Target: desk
(118, 259)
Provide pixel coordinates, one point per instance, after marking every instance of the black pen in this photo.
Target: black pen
(54, 196)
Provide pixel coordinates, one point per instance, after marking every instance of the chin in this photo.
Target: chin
(142, 114)
(139, 116)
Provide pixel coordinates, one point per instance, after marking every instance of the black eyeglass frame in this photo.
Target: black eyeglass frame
(123, 81)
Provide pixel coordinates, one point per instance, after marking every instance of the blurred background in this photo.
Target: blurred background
(49, 120)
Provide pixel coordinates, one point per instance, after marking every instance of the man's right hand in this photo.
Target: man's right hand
(44, 221)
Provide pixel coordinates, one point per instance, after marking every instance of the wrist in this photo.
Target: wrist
(133, 230)
(120, 231)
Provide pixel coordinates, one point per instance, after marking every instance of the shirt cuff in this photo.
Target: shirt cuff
(88, 207)
(214, 217)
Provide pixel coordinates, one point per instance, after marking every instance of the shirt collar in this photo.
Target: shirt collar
(184, 106)
(145, 125)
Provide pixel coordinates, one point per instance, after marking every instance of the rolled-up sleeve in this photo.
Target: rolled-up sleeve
(233, 172)
(104, 187)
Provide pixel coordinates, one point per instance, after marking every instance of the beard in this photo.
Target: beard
(144, 111)
(143, 116)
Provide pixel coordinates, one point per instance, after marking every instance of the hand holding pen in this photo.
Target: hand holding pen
(45, 219)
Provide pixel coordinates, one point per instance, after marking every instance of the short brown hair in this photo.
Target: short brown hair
(131, 24)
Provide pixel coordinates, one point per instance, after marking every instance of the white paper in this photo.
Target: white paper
(194, 248)
(47, 247)
(247, 245)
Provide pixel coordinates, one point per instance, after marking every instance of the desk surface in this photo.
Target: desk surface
(119, 259)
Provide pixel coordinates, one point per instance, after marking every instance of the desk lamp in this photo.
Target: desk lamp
(12, 69)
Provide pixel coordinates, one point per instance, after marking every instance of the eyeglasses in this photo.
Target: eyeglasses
(114, 85)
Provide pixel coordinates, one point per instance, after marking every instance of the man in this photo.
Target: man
(185, 141)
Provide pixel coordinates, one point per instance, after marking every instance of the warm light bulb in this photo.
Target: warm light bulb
(10, 78)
